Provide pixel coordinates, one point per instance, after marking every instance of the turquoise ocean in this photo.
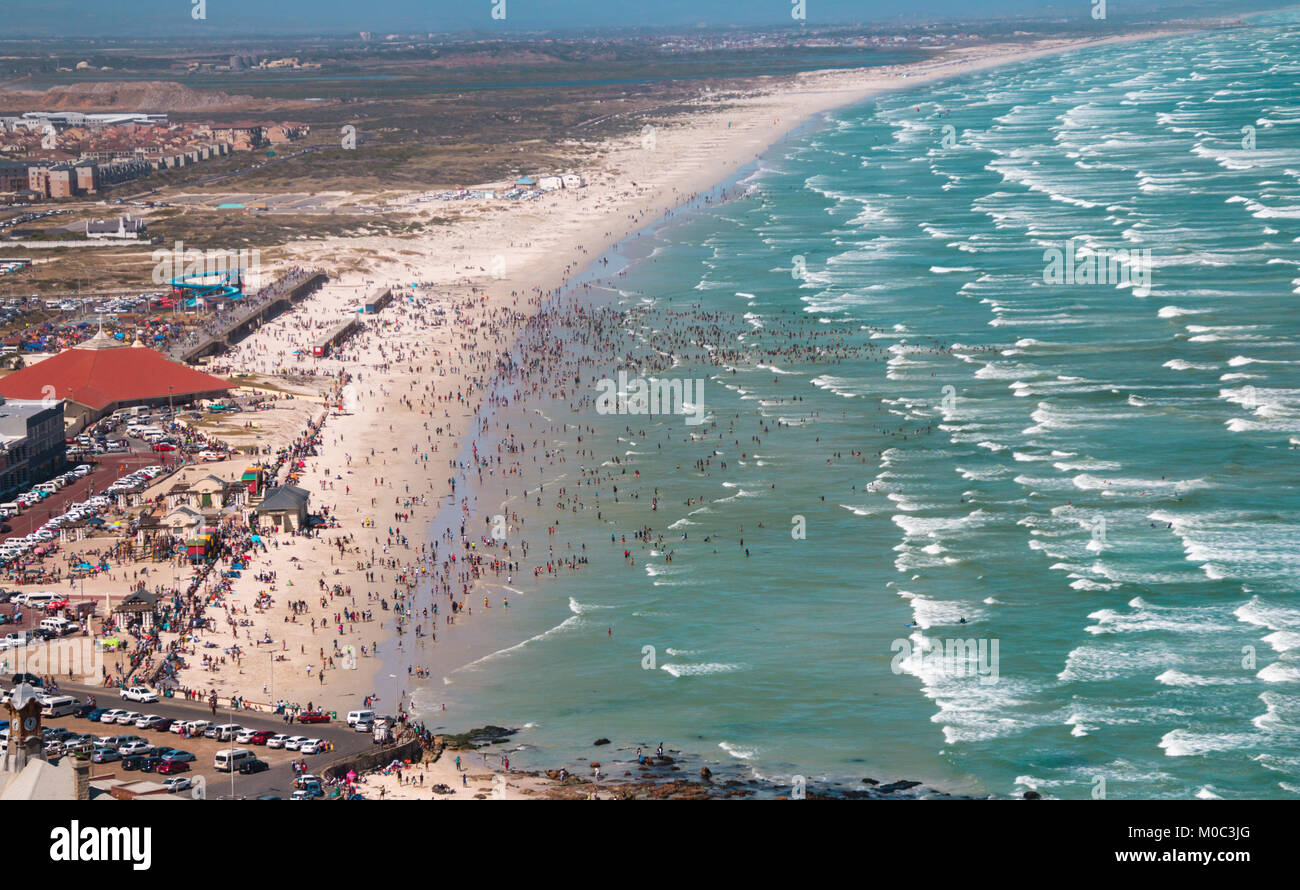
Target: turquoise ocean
(921, 426)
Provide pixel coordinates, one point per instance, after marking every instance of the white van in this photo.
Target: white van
(355, 717)
(59, 706)
(227, 731)
(229, 759)
(60, 626)
(10, 510)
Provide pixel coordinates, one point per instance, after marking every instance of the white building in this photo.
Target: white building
(122, 227)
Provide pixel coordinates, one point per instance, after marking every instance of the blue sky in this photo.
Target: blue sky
(119, 18)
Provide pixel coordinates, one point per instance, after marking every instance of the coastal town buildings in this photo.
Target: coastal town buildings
(31, 442)
(67, 154)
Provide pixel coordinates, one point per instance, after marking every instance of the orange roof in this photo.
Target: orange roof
(96, 375)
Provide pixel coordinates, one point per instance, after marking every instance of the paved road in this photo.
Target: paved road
(277, 780)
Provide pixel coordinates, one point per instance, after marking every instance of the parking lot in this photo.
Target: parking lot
(108, 468)
(277, 781)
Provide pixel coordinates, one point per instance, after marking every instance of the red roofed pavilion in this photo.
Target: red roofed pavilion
(102, 375)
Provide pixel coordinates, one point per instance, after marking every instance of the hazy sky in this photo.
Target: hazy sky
(124, 17)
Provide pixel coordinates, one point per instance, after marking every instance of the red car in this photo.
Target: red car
(169, 767)
(313, 717)
(164, 446)
(260, 737)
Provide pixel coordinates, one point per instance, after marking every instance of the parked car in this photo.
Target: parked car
(226, 731)
(309, 791)
(254, 736)
(145, 763)
(248, 767)
(105, 755)
(170, 767)
(82, 746)
(150, 721)
(176, 755)
(177, 784)
(311, 746)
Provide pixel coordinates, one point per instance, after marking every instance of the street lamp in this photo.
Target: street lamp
(230, 721)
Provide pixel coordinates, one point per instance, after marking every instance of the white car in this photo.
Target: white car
(176, 783)
(294, 742)
(140, 694)
(311, 746)
(111, 716)
(134, 747)
(128, 718)
(277, 741)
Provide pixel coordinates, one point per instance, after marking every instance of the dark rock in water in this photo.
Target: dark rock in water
(897, 786)
(479, 737)
(1033, 795)
(706, 774)
(601, 742)
(870, 781)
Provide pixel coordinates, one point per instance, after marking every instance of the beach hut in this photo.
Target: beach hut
(284, 507)
(183, 520)
(209, 491)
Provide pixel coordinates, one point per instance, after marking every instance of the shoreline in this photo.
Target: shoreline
(485, 302)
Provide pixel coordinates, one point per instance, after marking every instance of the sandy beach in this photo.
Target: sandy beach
(317, 617)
